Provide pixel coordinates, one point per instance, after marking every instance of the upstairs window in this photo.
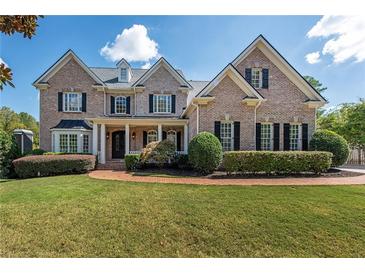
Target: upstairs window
(120, 105)
(72, 102)
(256, 78)
(162, 103)
(124, 74)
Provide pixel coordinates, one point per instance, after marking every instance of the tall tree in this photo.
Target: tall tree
(315, 83)
(25, 24)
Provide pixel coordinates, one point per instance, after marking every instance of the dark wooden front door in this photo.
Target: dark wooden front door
(118, 144)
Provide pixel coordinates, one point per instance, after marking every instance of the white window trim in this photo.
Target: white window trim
(162, 112)
(260, 76)
(271, 135)
(64, 95)
(80, 133)
(232, 132)
(115, 105)
(299, 135)
(122, 79)
(148, 134)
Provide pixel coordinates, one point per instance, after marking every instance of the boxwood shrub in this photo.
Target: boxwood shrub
(49, 165)
(205, 152)
(132, 161)
(326, 140)
(277, 162)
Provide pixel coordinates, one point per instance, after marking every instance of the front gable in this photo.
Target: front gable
(268, 52)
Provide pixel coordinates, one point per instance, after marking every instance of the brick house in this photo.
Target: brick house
(258, 101)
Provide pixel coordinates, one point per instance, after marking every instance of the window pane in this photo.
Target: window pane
(226, 136)
(151, 136)
(162, 103)
(63, 143)
(171, 135)
(72, 101)
(120, 105)
(72, 143)
(294, 137)
(85, 143)
(123, 74)
(266, 136)
(255, 80)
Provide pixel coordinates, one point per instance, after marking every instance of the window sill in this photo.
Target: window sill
(72, 111)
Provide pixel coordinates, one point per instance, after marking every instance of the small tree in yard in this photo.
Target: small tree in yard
(205, 152)
(326, 140)
(9, 151)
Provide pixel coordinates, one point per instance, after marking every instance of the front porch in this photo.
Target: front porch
(114, 138)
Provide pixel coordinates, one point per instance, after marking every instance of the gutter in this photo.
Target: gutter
(254, 124)
(197, 117)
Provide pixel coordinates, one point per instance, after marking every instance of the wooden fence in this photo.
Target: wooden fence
(356, 157)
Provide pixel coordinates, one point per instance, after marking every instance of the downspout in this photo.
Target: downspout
(135, 102)
(104, 102)
(254, 124)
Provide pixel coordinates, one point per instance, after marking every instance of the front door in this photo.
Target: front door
(118, 142)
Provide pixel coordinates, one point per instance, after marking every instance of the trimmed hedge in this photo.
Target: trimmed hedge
(326, 140)
(132, 161)
(277, 162)
(205, 152)
(50, 165)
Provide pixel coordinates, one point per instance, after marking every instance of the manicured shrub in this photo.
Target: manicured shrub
(132, 161)
(276, 162)
(205, 152)
(8, 152)
(38, 151)
(159, 153)
(182, 161)
(326, 140)
(49, 165)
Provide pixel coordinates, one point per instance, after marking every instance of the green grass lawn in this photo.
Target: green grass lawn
(76, 216)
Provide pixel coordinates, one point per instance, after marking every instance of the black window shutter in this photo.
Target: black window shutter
(258, 136)
(83, 102)
(144, 138)
(236, 135)
(164, 135)
(265, 78)
(128, 102)
(173, 103)
(217, 129)
(60, 101)
(304, 136)
(178, 141)
(151, 103)
(248, 75)
(112, 104)
(276, 136)
(286, 136)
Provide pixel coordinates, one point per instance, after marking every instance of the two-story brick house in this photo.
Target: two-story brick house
(258, 101)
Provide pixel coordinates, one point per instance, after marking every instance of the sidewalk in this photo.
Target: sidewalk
(125, 176)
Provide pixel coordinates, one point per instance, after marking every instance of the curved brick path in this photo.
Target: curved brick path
(125, 176)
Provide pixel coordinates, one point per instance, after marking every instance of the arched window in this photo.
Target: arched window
(120, 105)
(171, 135)
(151, 136)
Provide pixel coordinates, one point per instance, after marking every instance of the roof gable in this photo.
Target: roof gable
(60, 63)
(162, 62)
(240, 81)
(282, 64)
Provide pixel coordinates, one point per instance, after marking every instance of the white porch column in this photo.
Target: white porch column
(185, 139)
(127, 139)
(159, 132)
(102, 144)
(95, 138)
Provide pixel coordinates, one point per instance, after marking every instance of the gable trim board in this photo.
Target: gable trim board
(283, 65)
(162, 62)
(59, 64)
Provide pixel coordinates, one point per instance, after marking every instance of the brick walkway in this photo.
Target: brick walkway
(125, 176)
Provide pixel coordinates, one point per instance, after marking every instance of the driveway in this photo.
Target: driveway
(126, 176)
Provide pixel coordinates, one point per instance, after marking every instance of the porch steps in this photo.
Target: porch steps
(112, 165)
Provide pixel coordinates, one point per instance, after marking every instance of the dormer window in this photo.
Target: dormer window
(124, 74)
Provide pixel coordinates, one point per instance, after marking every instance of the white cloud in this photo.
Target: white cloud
(147, 65)
(313, 57)
(346, 36)
(2, 62)
(133, 44)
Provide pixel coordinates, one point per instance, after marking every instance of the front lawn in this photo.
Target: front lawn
(76, 216)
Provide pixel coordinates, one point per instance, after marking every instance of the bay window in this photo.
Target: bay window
(72, 141)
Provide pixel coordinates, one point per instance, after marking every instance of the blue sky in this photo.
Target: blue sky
(199, 45)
